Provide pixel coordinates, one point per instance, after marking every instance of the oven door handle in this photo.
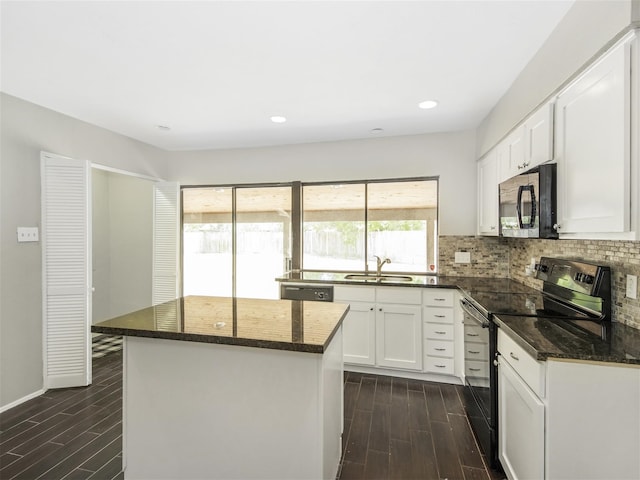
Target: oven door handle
(474, 313)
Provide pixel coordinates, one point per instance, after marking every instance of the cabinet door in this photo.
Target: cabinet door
(399, 336)
(513, 158)
(592, 151)
(538, 130)
(488, 194)
(521, 432)
(359, 334)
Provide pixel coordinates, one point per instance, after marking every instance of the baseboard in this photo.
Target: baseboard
(26, 398)
(425, 377)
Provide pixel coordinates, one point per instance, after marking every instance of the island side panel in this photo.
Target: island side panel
(208, 411)
(332, 403)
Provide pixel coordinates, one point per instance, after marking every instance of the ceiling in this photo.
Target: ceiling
(214, 72)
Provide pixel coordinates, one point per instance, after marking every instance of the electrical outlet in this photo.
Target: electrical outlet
(632, 286)
(462, 257)
(28, 234)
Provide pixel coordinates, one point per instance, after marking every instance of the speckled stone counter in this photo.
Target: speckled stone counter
(275, 324)
(545, 338)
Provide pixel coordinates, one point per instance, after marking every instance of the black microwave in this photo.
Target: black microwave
(527, 204)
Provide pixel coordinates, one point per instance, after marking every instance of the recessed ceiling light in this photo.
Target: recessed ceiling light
(377, 130)
(278, 119)
(163, 127)
(428, 104)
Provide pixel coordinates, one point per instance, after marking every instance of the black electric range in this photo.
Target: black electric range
(574, 292)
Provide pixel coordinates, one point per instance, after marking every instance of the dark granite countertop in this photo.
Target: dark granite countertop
(468, 284)
(543, 338)
(547, 338)
(274, 324)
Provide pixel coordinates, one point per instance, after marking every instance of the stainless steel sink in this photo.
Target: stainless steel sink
(378, 278)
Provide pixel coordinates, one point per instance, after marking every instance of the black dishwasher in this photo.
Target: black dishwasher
(318, 293)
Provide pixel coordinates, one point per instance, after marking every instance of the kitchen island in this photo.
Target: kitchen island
(231, 388)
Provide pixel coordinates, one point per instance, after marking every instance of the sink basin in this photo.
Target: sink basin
(380, 278)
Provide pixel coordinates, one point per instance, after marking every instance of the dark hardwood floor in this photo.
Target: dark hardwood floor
(394, 429)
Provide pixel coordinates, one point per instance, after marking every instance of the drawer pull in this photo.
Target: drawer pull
(439, 299)
(439, 349)
(441, 366)
(473, 352)
(439, 332)
(513, 356)
(473, 334)
(439, 316)
(474, 369)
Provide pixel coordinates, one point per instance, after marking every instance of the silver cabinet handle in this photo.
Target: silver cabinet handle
(474, 369)
(440, 332)
(439, 299)
(514, 357)
(441, 366)
(474, 353)
(473, 334)
(439, 349)
(439, 316)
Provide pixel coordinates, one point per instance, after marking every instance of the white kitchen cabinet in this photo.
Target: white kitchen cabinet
(566, 419)
(528, 145)
(383, 327)
(488, 194)
(358, 327)
(521, 420)
(438, 316)
(399, 336)
(511, 156)
(521, 413)
(593, 129)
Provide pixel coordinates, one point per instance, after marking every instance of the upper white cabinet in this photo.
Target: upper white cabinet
(488, 194)
(529, 145)
(593, 148)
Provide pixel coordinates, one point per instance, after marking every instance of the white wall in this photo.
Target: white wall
(587, 27)
(449, 155)
(122, 232)
(25, 130)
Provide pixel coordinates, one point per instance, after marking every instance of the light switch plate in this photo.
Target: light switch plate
(632, 286)
(462, 257)
(28, 234)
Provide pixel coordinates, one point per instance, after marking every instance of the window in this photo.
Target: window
(238, 239)
(346, 224)
(235, 240)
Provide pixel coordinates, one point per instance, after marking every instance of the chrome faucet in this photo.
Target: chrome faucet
(379, 264)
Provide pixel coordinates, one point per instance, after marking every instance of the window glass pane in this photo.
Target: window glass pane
(400, 224)
(333, 227)
(207, 240)
(263, 243)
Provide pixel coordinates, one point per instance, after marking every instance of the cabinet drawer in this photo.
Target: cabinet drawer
(476, 351)
(439, 365)
(354, 294)
(438, 297)
(438, 331)
(403, 295)
(438, 314)
(476, 369)
(438, 348)
(475, 333)
(529, 369)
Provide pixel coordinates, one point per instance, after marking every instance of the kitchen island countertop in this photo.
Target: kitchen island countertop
(275, 324)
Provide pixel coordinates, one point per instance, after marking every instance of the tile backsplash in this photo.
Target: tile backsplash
(508, 257)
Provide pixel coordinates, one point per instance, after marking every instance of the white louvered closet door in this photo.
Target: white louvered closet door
(66, 237)
(166, 234)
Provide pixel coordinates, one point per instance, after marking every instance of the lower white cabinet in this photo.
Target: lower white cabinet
(360, 334)
(521, 420)
(383, 327)
(399, 336)
(566, 419)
